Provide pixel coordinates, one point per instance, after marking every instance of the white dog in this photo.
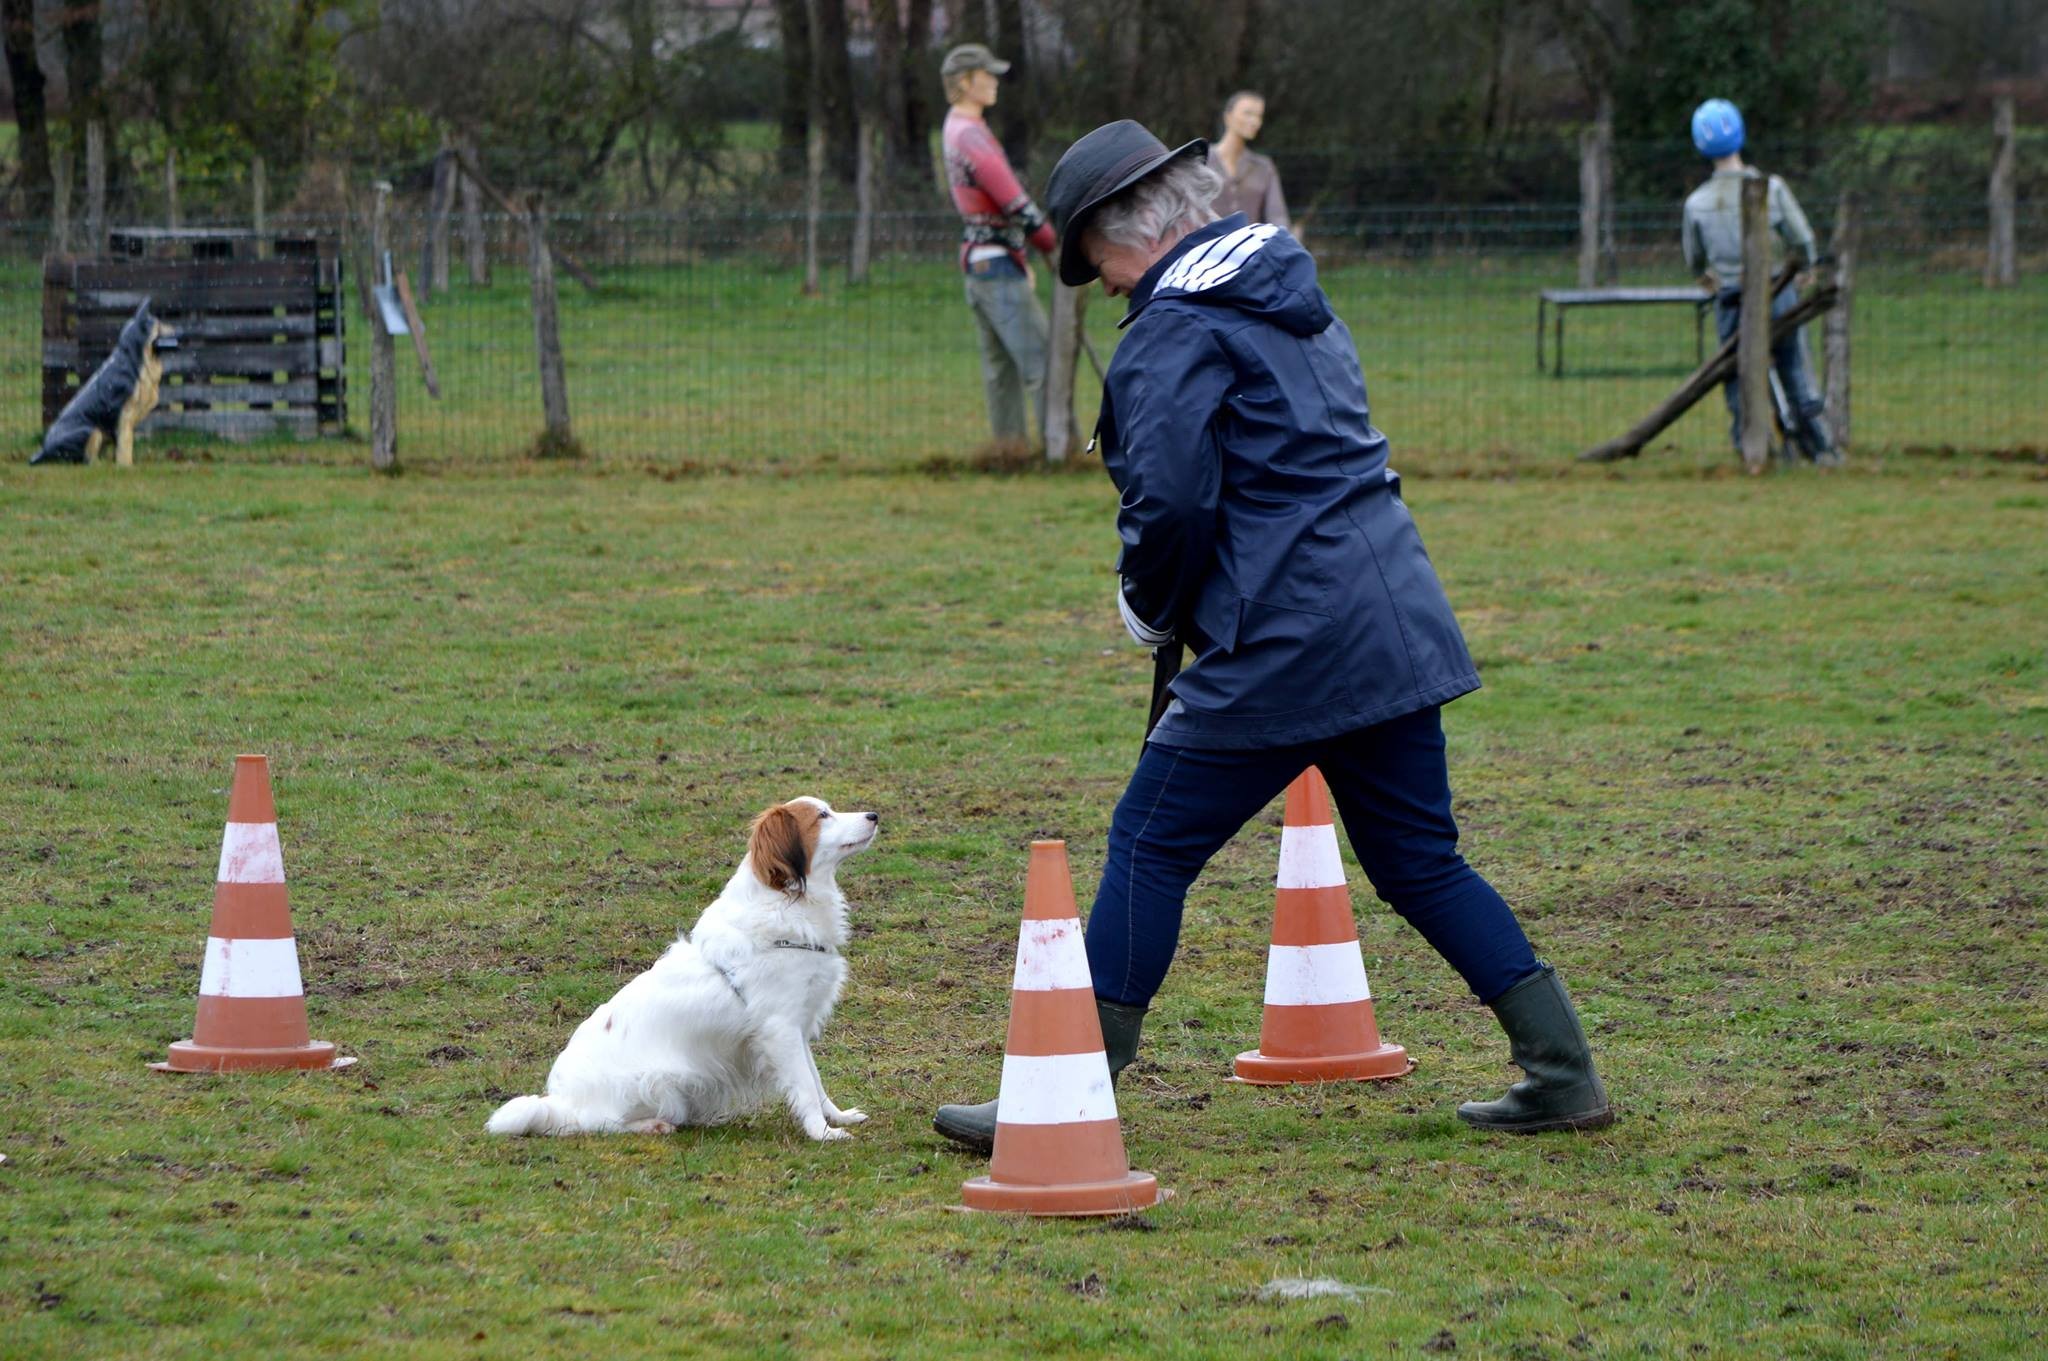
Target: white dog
(724, 1021)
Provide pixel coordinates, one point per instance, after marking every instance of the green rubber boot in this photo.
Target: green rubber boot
(975, 1126)
(1559, 1089)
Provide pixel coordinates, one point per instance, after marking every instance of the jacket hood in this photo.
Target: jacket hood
(1252, 267)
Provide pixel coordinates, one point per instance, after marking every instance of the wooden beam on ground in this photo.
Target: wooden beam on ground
(1710, 375)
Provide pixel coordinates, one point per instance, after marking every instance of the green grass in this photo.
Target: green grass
(1760, 763)
(719, 362)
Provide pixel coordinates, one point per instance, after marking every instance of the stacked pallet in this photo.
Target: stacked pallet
(259, 324)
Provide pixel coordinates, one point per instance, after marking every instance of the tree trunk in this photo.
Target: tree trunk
(31, 111)
(85, 100)
(60, 198)
(171, 218)
(95, 187)
(832, 77)
(1017, 112)
(2001, 265)
(887, 18)
(1753, 339)
(383, 361)
(476, 250)
(1063, 358)
(1835, 330)
(814, 199)
(794, 19)
(547, 334)
(920, 90)
(259, 193)
(863, 204)
(1596, 198)
(434, 252)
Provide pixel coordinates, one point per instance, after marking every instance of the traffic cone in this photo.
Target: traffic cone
(1319, 1025)
(1058, 1148)
(252, 1006)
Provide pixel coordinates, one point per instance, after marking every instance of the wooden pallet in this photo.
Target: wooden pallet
(260, 338)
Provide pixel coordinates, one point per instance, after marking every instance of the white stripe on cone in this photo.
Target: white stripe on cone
(251, 968)
(249, 854)
(1309, 858)
(1050, 955)
(1055, 1089)
(1316, 975)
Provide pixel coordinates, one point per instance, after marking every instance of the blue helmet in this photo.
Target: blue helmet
(1717, 129)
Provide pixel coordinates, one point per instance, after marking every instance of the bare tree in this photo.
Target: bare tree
(25, 73)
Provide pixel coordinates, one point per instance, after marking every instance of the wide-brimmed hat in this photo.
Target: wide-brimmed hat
(972, 57)
(1100, 166)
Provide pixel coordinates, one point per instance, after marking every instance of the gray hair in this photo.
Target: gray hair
(1171, 203)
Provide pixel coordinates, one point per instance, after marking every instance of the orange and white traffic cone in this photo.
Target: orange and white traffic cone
(1319, 1024)
(1059, 1150)
(252, 1005)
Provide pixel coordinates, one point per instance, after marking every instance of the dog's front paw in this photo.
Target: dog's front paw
(828, 1134)
(849, 1117)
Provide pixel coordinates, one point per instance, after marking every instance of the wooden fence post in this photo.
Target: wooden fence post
(1063, 358)
(1835, 330)
(259, 207)
(1597, 263)
(60, 198)
(558, 440)
(1753, 346)
(383, 359)
(476, 250)
(171, 188)
(863, 203)
(95, 187)
(2001, 263)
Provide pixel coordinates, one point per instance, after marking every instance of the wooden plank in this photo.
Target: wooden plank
(104, 329)
(197, 273)
(171, 301)
(297, 392)
(236, 424)
(418, 330)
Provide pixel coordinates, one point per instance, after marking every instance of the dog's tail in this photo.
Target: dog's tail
(534, 1115)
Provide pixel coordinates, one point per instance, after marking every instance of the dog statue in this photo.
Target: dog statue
(117, 398)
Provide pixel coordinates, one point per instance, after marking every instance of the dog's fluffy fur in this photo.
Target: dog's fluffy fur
(724, 1021)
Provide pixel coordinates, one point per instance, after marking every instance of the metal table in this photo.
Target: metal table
(1565, 299)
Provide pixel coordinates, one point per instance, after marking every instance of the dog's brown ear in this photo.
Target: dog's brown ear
(776, 846)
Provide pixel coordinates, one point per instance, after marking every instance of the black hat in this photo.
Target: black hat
(1100, 166)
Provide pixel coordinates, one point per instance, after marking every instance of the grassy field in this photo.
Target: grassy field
(722, 363)
(1760, 762)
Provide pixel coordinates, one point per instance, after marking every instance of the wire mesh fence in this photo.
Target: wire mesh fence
(698, 347)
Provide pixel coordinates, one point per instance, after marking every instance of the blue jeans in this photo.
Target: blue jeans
(1788, 357)
(1393, 792)
(1013, 330)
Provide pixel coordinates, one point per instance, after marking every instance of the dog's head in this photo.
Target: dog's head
(795, 840)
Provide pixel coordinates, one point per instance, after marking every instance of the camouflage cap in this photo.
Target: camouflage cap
(972, 57)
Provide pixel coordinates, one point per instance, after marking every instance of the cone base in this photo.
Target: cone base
(1387, 1061)
(1133, 1191)
(189, 1056)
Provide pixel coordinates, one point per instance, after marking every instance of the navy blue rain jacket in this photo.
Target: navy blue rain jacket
(1259, 519)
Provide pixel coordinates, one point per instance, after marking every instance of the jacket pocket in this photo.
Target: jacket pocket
(1281, 661)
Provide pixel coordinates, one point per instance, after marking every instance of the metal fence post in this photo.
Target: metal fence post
(383, 359)
(1835, 329)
